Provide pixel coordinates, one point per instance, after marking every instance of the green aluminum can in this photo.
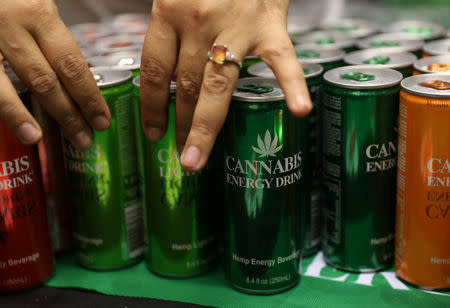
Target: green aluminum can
(360, 157)
(384, 57)
(179, 217)
(328, 57)
(248, 61)
(108, 228)
(264, 158)
(311, 218)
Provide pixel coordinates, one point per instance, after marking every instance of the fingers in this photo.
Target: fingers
(191, 64)
(65, 58)
(279, 54)
(33, 69)
(157, 66)
(217, 87)
(15, 115)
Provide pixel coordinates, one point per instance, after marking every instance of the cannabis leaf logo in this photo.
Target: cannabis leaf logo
(268, 147)
(3, 235)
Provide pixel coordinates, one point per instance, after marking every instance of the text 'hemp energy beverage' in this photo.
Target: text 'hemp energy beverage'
(359, 160)
(179, 212)
(432, 65)
(104, 187)
(383, 57)
(263, 155)
(422, 249)
(311, 212)
(25, 249)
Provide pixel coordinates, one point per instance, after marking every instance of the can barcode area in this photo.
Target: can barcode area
(135, 229)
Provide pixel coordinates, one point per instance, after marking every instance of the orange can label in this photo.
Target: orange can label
(422, 255)
(439, 67)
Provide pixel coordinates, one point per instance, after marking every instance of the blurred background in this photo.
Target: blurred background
(378, 11)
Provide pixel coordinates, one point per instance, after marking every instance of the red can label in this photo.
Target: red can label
(25, 250)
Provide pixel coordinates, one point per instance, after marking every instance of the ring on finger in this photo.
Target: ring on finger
(220, 54)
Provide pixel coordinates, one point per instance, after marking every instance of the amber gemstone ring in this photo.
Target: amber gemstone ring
(219, 54)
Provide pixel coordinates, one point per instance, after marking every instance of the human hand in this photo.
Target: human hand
(41, 51)
(179, 37)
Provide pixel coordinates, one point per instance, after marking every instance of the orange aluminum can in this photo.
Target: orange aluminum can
(432, 65)
(422, 246)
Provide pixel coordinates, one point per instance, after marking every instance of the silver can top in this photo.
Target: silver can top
(420, 29)
(312, 53)
(137, 84)
(385, 57)
(128, 22)
(433, 65)
(429, 85)
(355, 28)
(126, 60)
(436, 48)
(258, 89)
(299, 25)
(310, 70)
(107, 77)
(331, 38)
(399, 40)
(363, 77)
(119, 43)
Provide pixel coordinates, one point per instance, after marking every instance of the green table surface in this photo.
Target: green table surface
(320, 286)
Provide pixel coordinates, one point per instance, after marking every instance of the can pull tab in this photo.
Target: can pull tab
(98, 78)
(377, 60)
(439, 67)
(418, 30)
(385, 44)
(125, 61)
(436, 84)
(307, 54)
(255, 88)
(325, 41)
(358, 76)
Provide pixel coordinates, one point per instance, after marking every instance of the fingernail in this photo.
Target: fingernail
(303, 104)
(100, 123)
(28, 133)
(154, 133)
(190, 157)
(82, 140)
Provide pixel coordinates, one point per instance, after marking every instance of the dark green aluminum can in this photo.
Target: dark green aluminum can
(360, 157)
(311, 218)
(328, 57)
(179, 218)
(384, 57)
(263, 157)
(103, 179)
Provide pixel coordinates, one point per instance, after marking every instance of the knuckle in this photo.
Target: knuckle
(39, 7)
(216, 83)
(71, 123)
(43, 82)
(189, 86)
(92, 106)
(203, 128)
(71, 67)
(152, 72)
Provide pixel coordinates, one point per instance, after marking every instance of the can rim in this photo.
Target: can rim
(366, 28)
(339, 54)
(121, 76)
(342, 40)
(259, 99)
(407, 43)
(420, 65)
(131, 54)
(317, 69)
(411, 85)
(407, 56)
(430, 48)
(333, 75)
(137, 84)
(397, 26)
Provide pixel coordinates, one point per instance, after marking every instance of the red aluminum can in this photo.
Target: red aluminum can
(54, 178)
(25, 251)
